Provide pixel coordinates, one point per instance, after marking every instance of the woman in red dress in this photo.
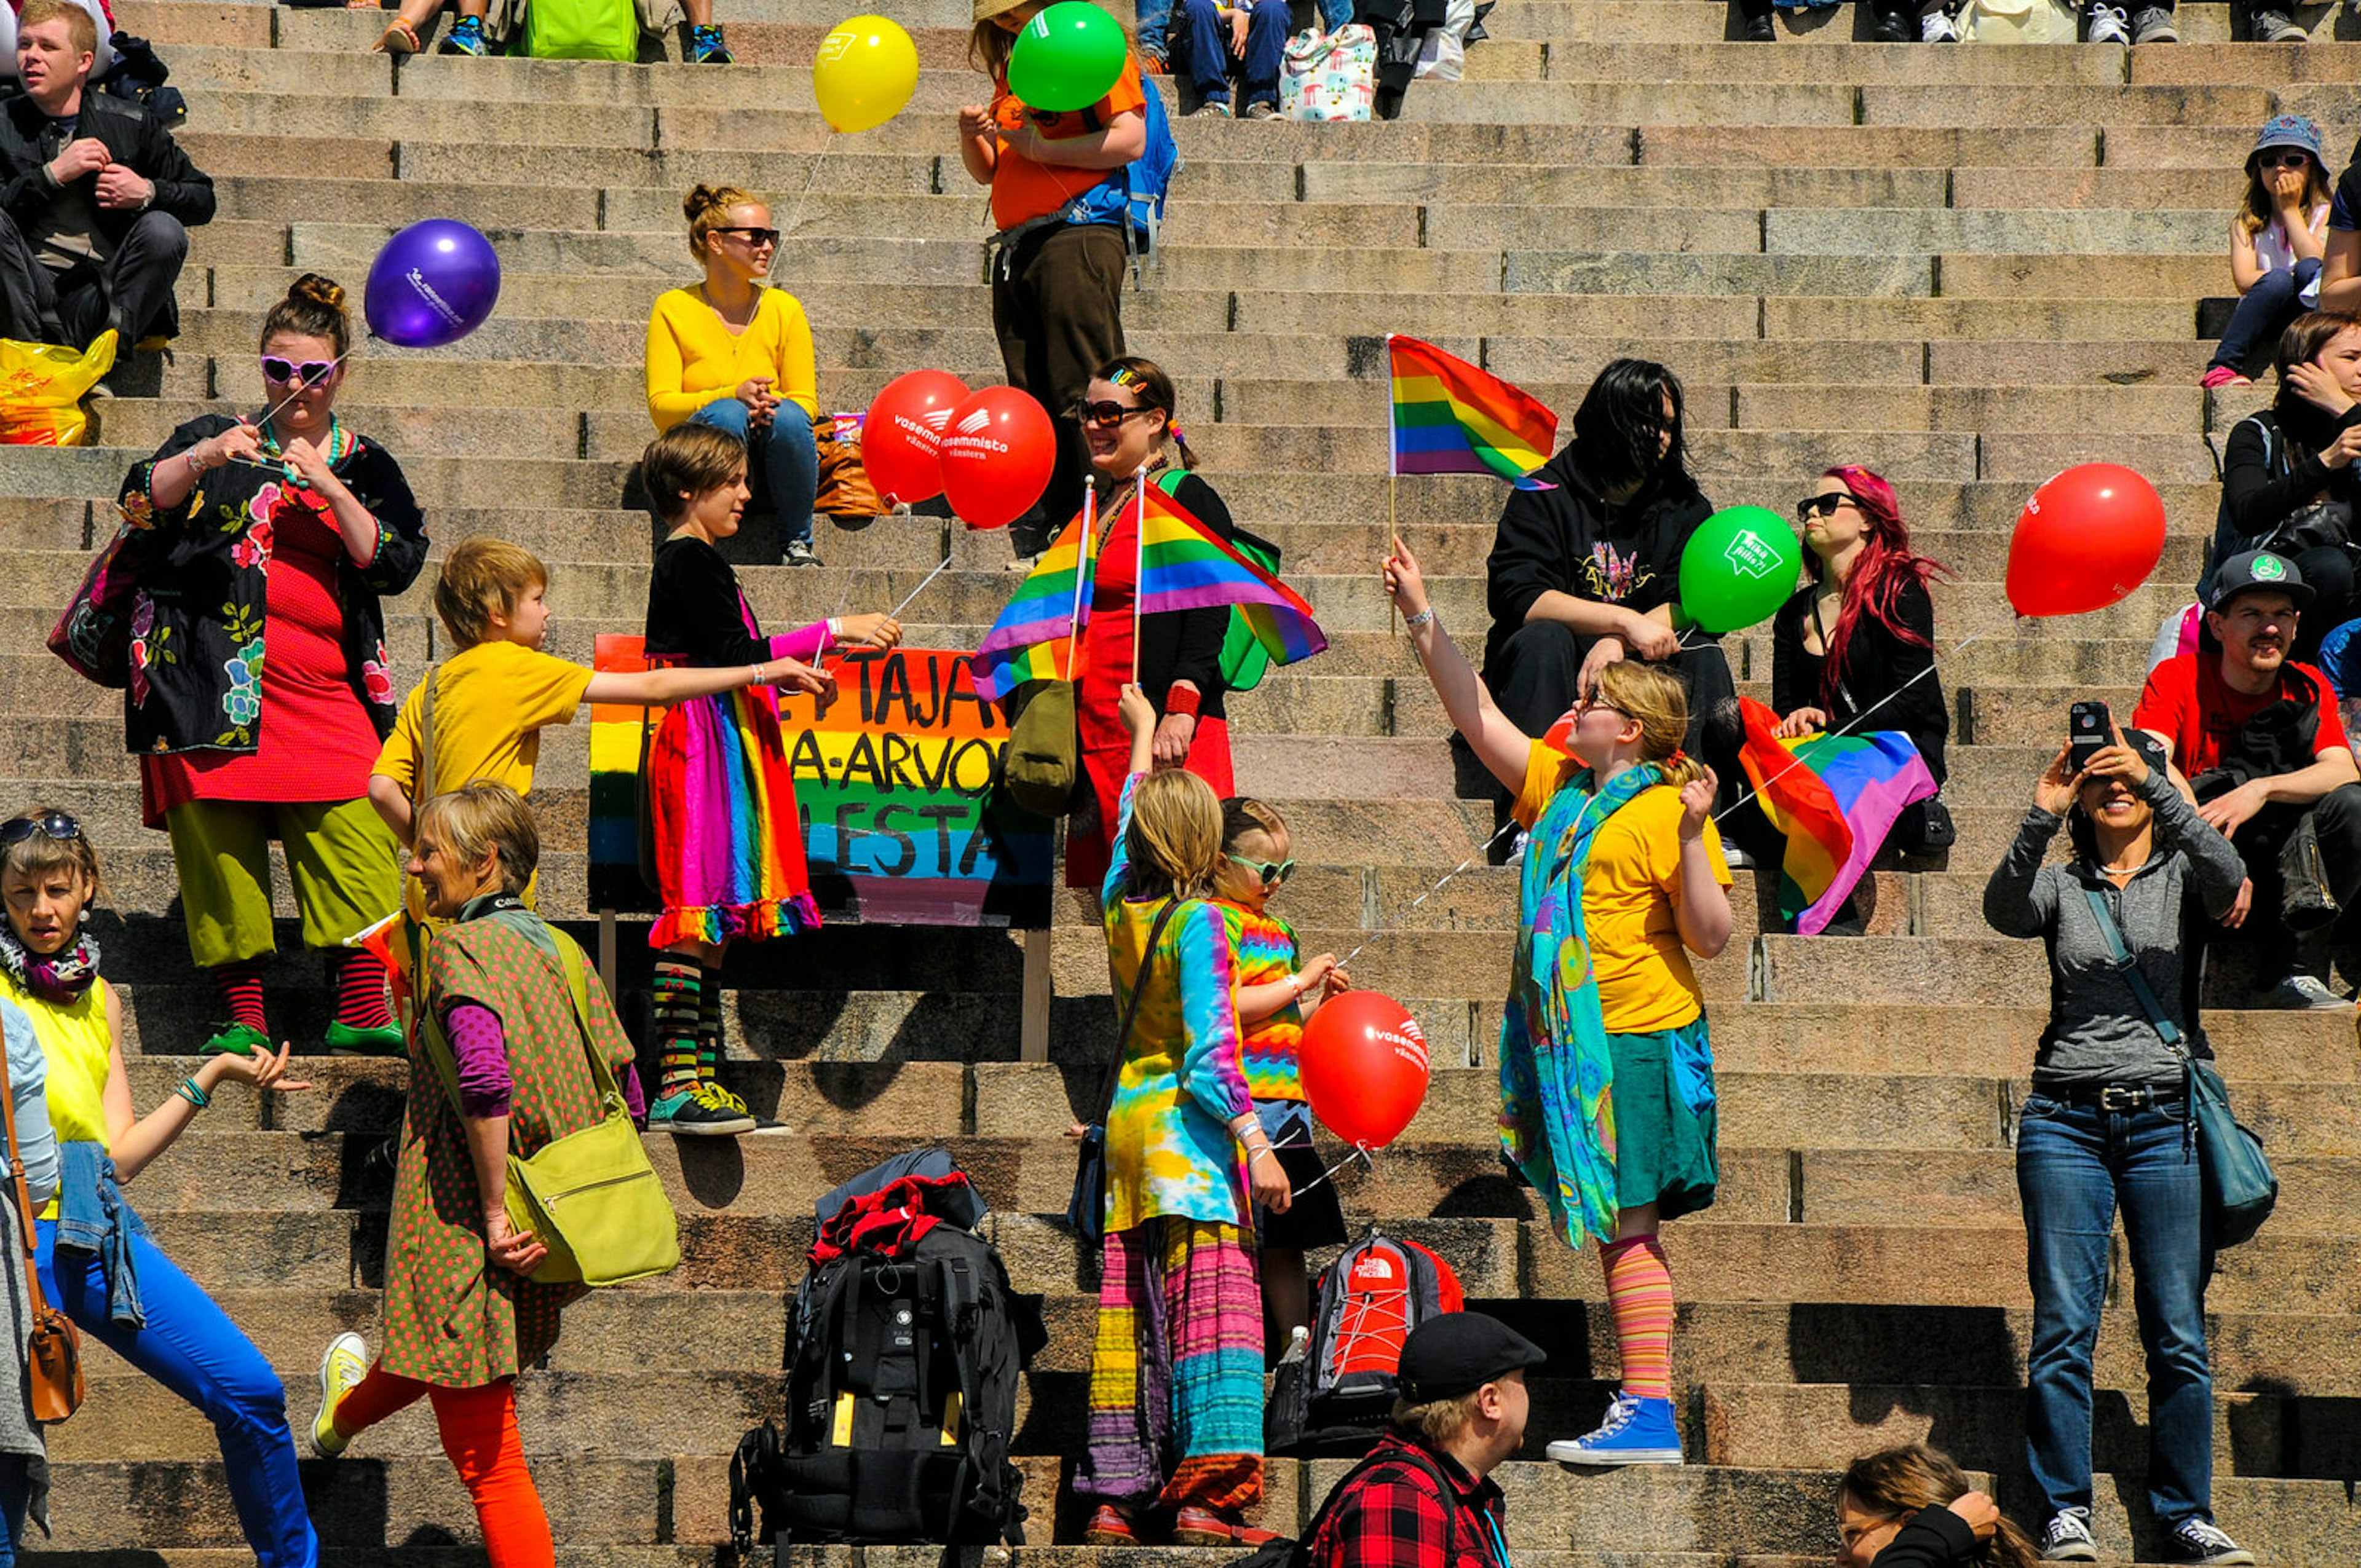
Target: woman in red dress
(1127, 424)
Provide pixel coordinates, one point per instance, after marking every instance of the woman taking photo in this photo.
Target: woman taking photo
(461, 1317)
(2106, 1126)
(1176, 1419)
(1859, 634)
(98, 1264)
(261, 692)
(1585, 575)
(1607, 1099)
(735, 353)
(2287, 475)
(1912, 1508)
(1127, 421)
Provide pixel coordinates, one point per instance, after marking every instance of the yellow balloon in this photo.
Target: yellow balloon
(866, 70)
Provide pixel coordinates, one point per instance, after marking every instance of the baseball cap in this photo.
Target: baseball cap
(1458, 1352)
(2258, 569)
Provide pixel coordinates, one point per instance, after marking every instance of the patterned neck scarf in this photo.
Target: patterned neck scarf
(61, 977)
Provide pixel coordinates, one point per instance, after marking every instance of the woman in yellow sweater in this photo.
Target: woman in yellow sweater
(736, 354)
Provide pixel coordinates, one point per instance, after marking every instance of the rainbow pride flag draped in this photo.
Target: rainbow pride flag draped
(1835, 797)
(1183, 565)
(1034, 638)
(1451, 418)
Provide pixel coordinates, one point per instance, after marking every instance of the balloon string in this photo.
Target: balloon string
(914, 593)
(1359, 1152)
(1799, 759)
(1482, 849)
(787, 229)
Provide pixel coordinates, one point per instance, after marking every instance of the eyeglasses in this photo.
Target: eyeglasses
(1595, 702)
(56, 825)
(1811, 507)
(1098, 415)
(756, 238)
(2283, 160)
(1272, 875)
(288, 373)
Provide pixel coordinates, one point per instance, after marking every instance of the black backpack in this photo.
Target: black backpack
(1286, 1554)
(903, 1367)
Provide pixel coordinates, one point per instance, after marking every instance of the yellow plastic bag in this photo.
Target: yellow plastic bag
(41, 388)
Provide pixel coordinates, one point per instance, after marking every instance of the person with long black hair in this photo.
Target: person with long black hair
(1585, 573)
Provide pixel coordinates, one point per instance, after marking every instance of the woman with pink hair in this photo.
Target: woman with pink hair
(1859, 634)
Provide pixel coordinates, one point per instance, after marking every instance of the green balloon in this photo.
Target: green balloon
(1069, 57)
(1738, 567)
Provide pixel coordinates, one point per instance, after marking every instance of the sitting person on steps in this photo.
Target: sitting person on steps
(1250, 39)
(2276, 242)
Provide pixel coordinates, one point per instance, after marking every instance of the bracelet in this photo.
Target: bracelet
(195, 467)
(1295, 985)
(835, 629)
(755, 674)
(196, 1096)
(1424, 617)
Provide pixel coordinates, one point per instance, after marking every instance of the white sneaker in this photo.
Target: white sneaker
(2067, 1538)
(1736, 858)
(341, 1370)
(2154, 25)
(2109, 25)
(1941, 27)
(2300, 992)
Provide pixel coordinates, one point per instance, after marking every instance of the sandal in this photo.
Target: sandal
(398, 39)
(1109, 1526)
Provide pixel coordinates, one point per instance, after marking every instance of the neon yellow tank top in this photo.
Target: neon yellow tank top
(79, 1047)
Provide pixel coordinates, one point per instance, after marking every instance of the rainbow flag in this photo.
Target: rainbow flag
(1451, 418)
(1184, 565)
(1835, 797)
(1033, 639)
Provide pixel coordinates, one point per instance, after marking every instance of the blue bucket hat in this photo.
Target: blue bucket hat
(2287, 130)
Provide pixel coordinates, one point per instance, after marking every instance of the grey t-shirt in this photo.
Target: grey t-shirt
(66, 230)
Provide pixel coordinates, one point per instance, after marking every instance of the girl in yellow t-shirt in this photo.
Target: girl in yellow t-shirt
(736, 354)
(1607, 1101)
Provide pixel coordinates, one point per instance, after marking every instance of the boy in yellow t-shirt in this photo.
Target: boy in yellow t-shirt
(494, 698)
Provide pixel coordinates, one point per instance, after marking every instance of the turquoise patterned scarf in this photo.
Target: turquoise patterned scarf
(1557, 1077)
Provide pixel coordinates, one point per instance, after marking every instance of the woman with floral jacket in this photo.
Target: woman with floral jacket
(260, 689)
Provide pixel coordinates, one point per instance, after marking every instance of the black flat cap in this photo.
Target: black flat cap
(1458, 1352)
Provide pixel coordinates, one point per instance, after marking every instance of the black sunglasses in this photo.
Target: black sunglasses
(1811, 507)
(56, 825)
(1108, 412)
(755, 237)
(287, 372)
(2284, 160)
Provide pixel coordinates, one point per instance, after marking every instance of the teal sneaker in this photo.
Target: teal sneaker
(706, 48)
(341, 1370)
(692, 1115)
(467, 36)
(1636, 1431)
(235, 1040)
(344, 1040)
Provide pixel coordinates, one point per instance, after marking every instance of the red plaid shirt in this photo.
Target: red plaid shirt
(1391, 1515)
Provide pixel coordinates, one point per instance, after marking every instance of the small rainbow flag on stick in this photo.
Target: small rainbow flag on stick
(1034, 638)
(1451, 418)
(1835, 797)
(1183, 565)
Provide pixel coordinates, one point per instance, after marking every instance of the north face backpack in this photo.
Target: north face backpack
(1370, 1297)
(905, 1349)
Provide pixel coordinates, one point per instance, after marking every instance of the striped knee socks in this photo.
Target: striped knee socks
(1639, 1294)
(677, 995)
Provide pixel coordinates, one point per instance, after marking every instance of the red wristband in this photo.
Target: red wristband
(1181, 699)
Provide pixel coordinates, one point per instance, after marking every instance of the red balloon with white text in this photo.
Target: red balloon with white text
(902, 438)
(997, 452)
(1365, 1067)
(2087, 538)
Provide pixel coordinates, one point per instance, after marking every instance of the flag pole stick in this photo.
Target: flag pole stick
(1393, 476)
(1083, 562)
(1139, 571)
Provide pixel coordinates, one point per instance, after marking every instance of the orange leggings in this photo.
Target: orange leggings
(479, 1435)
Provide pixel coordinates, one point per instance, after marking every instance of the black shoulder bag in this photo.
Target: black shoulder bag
(1086, 1209)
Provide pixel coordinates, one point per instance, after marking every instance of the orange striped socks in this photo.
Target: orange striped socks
(1639, 1294)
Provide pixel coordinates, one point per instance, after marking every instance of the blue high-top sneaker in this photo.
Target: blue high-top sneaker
(1636, 1431)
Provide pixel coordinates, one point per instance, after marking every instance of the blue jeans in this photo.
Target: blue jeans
(2075, 1165)
(1155, 19)
(1201, 51)
(2264, 314)
(13, 1501)
(781, 461)
(191, 1346)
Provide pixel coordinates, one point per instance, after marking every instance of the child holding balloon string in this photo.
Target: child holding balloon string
(727, 839)
(1277, 995)
(1607, 1094)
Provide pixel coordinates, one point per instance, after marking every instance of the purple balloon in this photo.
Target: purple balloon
(433, 284)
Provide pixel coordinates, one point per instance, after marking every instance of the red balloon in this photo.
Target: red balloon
(997, 452)
(900, 438)
(2086, 539)
(1364, 1067)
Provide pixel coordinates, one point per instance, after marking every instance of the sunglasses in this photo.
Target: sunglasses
(1272, 875)
(757, 238)
(287, 372)
(1099, 415)
(1811, 507)
(56, 825)
(2284, 160)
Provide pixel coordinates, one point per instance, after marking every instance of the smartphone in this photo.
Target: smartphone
(2089, 730)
